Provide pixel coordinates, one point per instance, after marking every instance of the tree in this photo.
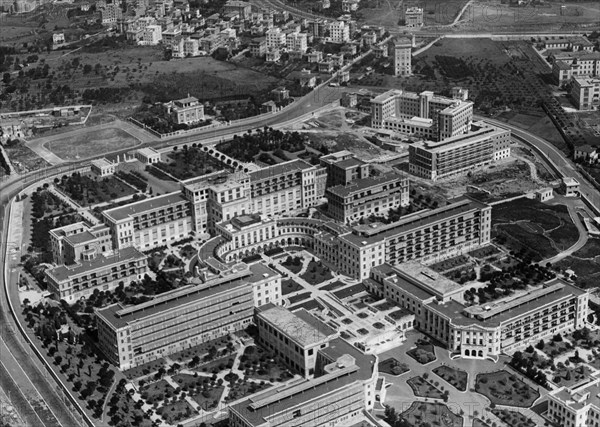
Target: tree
(6, 78)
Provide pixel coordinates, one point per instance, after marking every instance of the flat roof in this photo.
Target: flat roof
(362, 184)
(349, 163)
(430, 279)
(580, 395)
(479, 134)
(147, 151)
(153, 203)
(458, 206)
(279, 169)
(79, 238)
(127, 254)
(257, 409)
(120, 316)
(300, 326)
(408, 286)
(103, 162)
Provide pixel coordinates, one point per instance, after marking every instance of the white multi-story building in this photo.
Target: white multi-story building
(339, 32)
(577, 405)
(401, 51)
(297, 42)
(275, 38)
(424, 115)
(413, 17)
(152, 35)
(585, 93)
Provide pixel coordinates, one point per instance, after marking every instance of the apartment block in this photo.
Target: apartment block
(150, 223)
(345, 385)
(585, 93)
(152, 35)
(275, 38)
(480, 331)
(482, 145)
(103, 272)
(367, 196)
(401, 51)
(577, 405)
(566, 65)
(424, 115)
(294, 337)
(79, 242)
(130, 336)
(339, 32)
(296, 42)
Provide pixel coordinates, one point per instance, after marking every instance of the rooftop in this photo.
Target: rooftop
(581, 394)
(431, 280)
(79, 238)
(124, 255)
(101, 163)
(136, 208)
(300, 326)
(148, 151)
(475, 134)
(362, 184)
(279, 169)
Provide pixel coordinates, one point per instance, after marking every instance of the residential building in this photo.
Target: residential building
(185, 111)
(585, 93)
(344, 387)
(424, 115)
(79, 242)
(129, 336)
(103, 272)
(339, 32)
(58, 38)
(258, 47)
(483, 145)
(314, 56)
(111, 13)
(363, 197)
(349, 100)
(577, 405)
(280, 94)
(276, 38)
(544, 194)
(296, 42)
(413, 16)
(350, 5)
(150, 223)
(268, 107)
(273, 54)
(401, 51)
(574, 44)
(480, 331)
(586, 153)
(326, 66)
(244, 9)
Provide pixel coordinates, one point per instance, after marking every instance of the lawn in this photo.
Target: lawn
(585, 263)
(90, 189)
(245, 388)
(261, 364)
(569, 375)
(434, 414)
(335, 285)
(91, 143)
(422, 388)
(289, 286)
(534, 226)
(513, 418)
(484, 252)
(503, 388)
(393, 366)
(478, 423)
(309, 305)
(300, 297)
(209, 399)
(455, 377)
(316, 273)
(423, 353)
(176, 411)
(156, 390)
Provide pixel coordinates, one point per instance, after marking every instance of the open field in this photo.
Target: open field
(585, 263)
(93, 143)
(541, 229)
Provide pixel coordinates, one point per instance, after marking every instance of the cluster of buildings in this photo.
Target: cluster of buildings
(575, 62)
(449, 143)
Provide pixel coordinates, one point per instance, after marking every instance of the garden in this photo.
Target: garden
(503, 388)
(513, 418)
(434, 414)
(289, 286)
(293, 264)
(423, 388)
(455, 377)
(259, 364)
(423, 353)
(393, 366)
(190, 162)
(316, 272)
(90, 189)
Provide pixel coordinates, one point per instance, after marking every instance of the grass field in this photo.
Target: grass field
(436, 414)
(542, 229)
(90, 143)
(585, 263)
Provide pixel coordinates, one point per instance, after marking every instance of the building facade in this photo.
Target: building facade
(401, 51)
(483, 145)
(185, 111)
(585, 93)
(367, 196)
(79, 242)
(577, 405)
(103, 272)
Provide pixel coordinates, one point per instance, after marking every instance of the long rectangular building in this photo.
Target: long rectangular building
(480, 331)
(103, 272)
(483, 145)
(130, 336)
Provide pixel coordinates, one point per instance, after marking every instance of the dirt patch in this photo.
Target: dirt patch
(88, 144)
